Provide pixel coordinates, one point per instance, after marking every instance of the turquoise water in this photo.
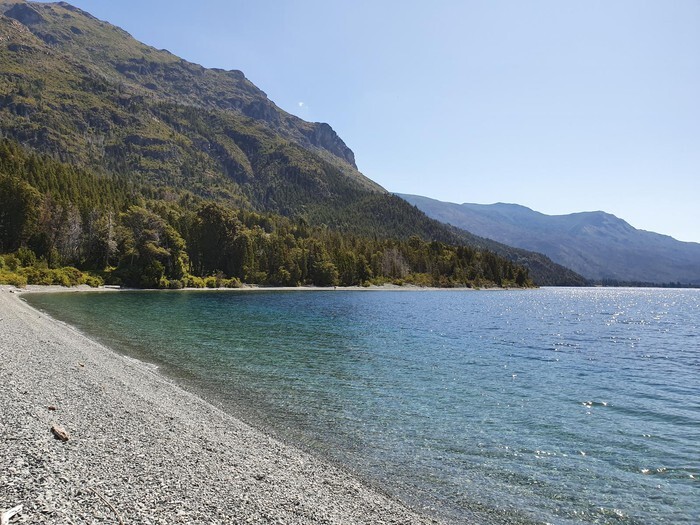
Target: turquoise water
(549, 406)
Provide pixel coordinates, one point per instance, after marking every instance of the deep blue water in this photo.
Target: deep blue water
(550, 406)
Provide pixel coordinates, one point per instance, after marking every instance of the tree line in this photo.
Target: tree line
(59, 223)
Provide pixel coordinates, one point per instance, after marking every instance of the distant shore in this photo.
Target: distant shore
(39, 288)
(141, 449)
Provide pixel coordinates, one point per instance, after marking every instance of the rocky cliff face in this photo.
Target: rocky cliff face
(323, 136)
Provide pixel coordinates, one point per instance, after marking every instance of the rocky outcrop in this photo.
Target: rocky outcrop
(262, 109)
(25, 14)
(323, 136)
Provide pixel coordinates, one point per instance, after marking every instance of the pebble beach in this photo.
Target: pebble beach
(141, 449)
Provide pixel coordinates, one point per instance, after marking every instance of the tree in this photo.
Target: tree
(151, 249)
(213, 240)
(99, 239)
(19, 211)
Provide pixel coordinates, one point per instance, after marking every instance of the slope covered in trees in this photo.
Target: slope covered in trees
(128, 124)
(56, 215)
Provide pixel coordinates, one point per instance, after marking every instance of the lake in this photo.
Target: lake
(556, 405)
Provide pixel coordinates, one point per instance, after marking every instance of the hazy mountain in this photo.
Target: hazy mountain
(597, 245)
(88, 94)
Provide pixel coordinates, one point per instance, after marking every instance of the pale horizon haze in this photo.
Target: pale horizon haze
(560, 106)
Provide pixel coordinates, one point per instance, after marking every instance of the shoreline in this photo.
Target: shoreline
(143, 448)
(53, 288)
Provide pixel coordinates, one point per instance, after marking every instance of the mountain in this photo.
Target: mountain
(90, 94)
(86, 94)
(595, 244)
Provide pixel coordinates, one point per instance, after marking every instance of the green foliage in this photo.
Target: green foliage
(151, 250)
(19, 210)
(192, 281)
(25, 256)
(66, 276)
(12, 278)
(12, 263)
(93, 281)
(172, 243)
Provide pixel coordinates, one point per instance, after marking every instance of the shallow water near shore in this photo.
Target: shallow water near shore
(549, 406)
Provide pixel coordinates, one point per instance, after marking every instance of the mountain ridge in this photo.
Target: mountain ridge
(137, 110)
(596, 244)
(171, 76)
(85, 93)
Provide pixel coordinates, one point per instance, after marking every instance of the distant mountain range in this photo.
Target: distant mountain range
(598, 245)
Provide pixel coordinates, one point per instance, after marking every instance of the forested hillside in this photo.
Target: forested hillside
(106, 135)
(55, 215)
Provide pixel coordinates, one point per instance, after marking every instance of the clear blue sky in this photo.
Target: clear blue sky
(559, 105)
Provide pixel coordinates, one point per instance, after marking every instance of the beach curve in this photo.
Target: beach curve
(143, 450)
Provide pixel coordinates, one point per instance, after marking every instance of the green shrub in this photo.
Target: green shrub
(12, 262)
(94, 281)
(233, 282)
(26, 256)
(66, 276)
(61, 279)
(53, 258)
(73, 275)
(175, 284)
(170, 284)
(192, 281)
(13, 279)
(420, 279)
(34, 275)
(378, 281)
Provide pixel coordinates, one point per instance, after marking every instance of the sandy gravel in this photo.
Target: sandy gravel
(143, 450)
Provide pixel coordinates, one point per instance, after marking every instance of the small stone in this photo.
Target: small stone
(60, 433)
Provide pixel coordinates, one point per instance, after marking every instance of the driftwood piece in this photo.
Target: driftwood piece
(106, 502)
(7, 515)
(60, 433)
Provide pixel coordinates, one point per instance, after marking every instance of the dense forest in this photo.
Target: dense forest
(64, 225)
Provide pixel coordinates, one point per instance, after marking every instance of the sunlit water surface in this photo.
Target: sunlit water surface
(550, 406)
